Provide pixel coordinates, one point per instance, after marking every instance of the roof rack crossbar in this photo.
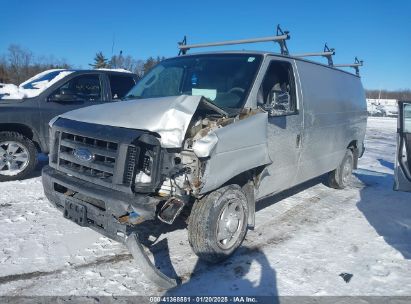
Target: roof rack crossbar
(281, 37)
(327, 53)
(180, 44)
(356, 65)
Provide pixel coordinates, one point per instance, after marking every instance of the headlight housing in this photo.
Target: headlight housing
(147, 169)
(143, 175)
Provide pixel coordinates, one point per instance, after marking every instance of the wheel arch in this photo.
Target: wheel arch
(247, 180)
(24, 130)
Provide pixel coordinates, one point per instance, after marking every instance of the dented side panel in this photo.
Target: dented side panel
(241, 146)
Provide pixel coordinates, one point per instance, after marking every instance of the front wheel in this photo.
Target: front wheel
(18, 156)
(340, 177)
(218, 223)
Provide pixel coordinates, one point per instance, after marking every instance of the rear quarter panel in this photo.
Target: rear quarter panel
(335, 114)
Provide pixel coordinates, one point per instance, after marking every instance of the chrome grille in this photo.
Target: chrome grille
(101, 167)
(130, 165)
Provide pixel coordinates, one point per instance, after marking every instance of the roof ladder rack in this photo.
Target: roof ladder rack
(327, 53)
(356, 65)
(280, 38)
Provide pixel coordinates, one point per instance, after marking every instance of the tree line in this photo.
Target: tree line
(18, 64)
(385, 94)
(127, 62)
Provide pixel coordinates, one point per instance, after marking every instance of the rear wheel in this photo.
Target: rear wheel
(18, 156)
(340, 177)
(218, 223)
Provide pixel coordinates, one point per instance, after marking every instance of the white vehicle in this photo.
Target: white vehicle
(391, 111)
(376, 110)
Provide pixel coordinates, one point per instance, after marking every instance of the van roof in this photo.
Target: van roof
(265, 54)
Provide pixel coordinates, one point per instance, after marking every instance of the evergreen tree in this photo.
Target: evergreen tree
(149, 64)
(100, 61)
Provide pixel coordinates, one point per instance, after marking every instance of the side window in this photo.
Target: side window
(407, 118)
(120, 85)
(277, 92)
(81, 88)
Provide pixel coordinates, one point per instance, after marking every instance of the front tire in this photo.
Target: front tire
(218, 223)
(340, 177)
(18, 156)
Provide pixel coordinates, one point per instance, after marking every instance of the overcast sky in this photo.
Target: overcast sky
(379, 32)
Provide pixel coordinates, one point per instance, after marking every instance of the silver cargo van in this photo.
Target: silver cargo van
(204, 137)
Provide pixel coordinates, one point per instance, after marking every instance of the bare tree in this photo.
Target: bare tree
(4, 77)
(19, 63)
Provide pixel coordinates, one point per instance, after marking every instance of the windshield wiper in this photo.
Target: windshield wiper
(131, 97)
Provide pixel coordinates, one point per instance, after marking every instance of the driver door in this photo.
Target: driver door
(279, 97)
(403, 157)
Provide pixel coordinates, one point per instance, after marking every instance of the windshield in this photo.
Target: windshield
(224, 79)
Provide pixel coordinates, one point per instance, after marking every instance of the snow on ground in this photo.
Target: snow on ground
(304, 239)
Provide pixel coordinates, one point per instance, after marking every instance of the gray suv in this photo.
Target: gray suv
(25, 111)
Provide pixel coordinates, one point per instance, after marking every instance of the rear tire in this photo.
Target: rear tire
(18, 156)
(340, 177)
(218, 223)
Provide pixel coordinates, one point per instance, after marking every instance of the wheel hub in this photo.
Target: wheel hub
(347, 171)
(232, 223)
(14, 158)
(229, 225)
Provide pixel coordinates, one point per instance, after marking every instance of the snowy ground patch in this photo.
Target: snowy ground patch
(304, 239)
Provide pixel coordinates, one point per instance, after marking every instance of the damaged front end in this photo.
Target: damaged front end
(138, 170)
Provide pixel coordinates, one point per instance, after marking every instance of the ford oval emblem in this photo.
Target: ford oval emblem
(83, 155)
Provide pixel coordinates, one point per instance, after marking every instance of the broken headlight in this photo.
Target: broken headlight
(143, 176)
(147, 169)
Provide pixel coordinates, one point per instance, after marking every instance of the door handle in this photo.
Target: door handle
(298, 141)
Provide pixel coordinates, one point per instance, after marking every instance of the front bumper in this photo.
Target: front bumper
(102, 217)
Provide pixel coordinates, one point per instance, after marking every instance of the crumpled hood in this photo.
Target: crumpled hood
(167, 116)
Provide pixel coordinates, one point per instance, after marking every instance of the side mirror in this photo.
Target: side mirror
(278, 103)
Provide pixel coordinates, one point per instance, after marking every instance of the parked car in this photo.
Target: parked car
(376, 110)
(212, 134)
(391, 111)
(403, 157)
(26, 110)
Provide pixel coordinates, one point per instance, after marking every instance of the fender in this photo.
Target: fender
(28, 132)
